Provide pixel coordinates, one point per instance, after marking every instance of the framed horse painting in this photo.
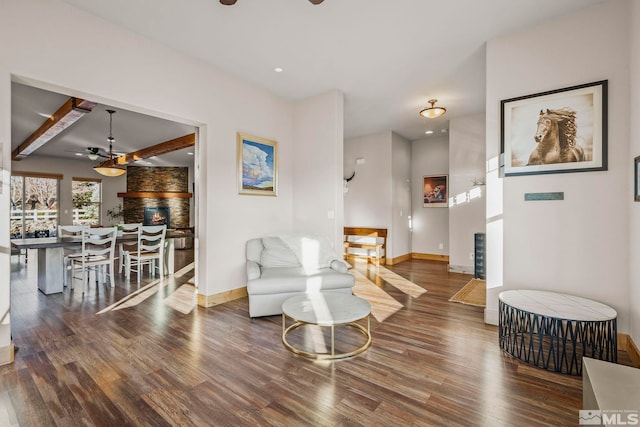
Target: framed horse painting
(563, 130)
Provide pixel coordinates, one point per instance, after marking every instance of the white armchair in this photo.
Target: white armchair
(279, 267)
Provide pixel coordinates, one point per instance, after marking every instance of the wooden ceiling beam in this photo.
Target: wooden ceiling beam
(155, 150)
(69, 113)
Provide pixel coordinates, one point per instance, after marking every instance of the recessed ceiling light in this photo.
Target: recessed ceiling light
(278, 69)
(429, 132)
(190, 153)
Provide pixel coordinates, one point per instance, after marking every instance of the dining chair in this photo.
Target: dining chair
(98, 253)
(69, 252)
(149, 251)
(128, 230)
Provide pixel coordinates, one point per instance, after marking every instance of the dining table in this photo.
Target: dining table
(47, 254)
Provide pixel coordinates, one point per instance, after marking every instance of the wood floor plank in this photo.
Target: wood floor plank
(102, 410)
(29, 406)
(431, 362)
(55, 393)
(8, 416)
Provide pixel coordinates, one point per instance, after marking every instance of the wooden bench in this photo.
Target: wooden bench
(372, 240)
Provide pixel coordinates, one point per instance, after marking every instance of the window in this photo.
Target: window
(87, 197)
(34, 205)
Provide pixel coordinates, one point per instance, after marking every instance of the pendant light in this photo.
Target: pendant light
(433, 112)
(109, 168)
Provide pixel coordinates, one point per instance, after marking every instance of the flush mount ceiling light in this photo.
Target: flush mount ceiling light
(112, 169)
(433, 112)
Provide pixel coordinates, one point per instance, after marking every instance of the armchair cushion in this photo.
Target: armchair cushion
(296, 279)
(277, 254)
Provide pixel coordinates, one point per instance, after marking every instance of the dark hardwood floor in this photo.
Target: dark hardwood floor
(148, 361)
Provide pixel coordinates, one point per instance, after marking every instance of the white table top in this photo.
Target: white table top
(560, 306)
(614, 386)
(326, 309)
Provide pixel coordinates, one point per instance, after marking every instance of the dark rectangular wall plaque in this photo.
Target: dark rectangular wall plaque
(528, 197)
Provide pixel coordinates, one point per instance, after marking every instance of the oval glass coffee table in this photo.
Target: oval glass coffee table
(329, 309)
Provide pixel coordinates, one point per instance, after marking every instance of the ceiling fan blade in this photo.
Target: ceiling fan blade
(95, 151)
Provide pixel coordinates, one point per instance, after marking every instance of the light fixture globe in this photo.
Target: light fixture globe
(432, 112)
(110, 171)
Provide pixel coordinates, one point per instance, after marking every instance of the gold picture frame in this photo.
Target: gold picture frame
(257, 165)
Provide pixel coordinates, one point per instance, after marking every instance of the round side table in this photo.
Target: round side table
(555, 331)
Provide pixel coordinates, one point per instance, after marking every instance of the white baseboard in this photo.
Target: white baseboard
(491, 317)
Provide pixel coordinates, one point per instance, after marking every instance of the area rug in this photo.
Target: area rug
(473, 293)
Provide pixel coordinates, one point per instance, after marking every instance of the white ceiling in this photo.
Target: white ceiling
(388, 57)
(30, 107)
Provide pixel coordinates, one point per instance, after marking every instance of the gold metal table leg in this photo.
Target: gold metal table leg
(333, 341)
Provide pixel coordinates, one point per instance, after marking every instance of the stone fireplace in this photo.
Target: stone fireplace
(160, 192)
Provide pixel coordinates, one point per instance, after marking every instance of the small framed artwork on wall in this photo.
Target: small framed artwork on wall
(257, 165)
(434, 191)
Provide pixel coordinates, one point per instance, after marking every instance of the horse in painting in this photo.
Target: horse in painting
(556, 138)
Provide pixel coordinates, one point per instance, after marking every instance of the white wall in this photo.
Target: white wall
(466, 164)
(5, 249)
(380, 194)
(634, 209)
(429, 156)
(70, 169)
(579, 245)
(317, 191)
(164, 83)
(400, 235)
(367, 203)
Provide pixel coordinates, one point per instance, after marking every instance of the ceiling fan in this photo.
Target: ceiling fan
(93, 153)
(232, 2)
